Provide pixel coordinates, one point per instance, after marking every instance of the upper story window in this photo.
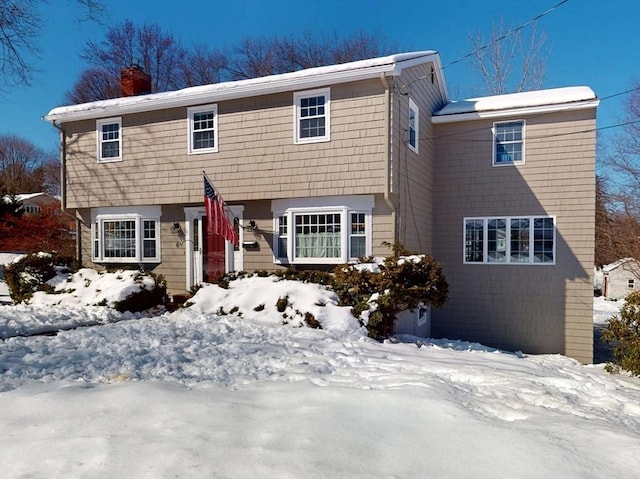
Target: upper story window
(126, 237)
(508, 143)
(109, 134)
(414, 125)
(311, 116)
(203, 129)
(322, 230)
(631, 284)
(529, 239)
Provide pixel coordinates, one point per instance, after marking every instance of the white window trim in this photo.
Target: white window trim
(494, 146)
(485, 240)
(99, 124)
(199, 109)
(138, 215)
(297, 96)
(416, 110)
(343, 205)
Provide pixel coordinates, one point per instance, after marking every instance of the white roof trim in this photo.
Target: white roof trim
(539, 101)
(515, 111)
(305, 79)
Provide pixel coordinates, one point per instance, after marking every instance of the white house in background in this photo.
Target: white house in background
(621, 278)
(32, 203)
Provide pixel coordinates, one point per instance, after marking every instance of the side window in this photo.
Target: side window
(523, 240)
(508, 143)
(414, 125)
(109, 139)
(311, 114)
(283, 234)
(203, 129)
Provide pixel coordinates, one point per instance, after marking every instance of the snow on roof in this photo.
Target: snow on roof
(553, 99)
(308, 78)
(616, 264)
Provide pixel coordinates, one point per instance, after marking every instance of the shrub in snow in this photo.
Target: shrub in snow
(623, 332)
(379, 289)
(31, 273)
(146, 297)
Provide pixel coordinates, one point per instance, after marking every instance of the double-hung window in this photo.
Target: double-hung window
(515, 240)
(508, 143)
(203, 129)
(126, 237)
(336, 230)
(109, 139)
(311, 116)
(414, 125)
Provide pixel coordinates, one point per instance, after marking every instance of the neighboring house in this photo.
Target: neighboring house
(321, 166)
(32, 203)
(621, 278)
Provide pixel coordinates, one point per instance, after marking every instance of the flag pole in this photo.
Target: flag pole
(204, 173)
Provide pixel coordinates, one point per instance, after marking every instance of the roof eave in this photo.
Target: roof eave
(151, 102)
(521, 111)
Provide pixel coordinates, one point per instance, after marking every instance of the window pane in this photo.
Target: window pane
(119, 239)
(508, 142)
(497, 240)
(357, 241)
(520, 240)
(312, 119)
(282, 237)
(543, 240)
(149, 243)
(317, 235)
(474, 238)
(203, 134)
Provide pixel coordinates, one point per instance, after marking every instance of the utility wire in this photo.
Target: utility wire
(493, 42)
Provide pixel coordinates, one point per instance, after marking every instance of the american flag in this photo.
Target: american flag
(218, 222)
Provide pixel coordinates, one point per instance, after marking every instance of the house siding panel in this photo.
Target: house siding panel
(488, 303)
(256, 159)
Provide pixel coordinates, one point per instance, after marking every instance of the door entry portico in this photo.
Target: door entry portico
(209, 256)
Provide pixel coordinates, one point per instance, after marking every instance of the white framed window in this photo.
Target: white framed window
(311, 116)
(328, 230)
(510, 240)
(508, 143)
(203, 129)
(414, 125)
(109, 139)
(122, 235)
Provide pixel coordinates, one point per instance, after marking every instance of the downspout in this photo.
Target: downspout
(387, 157)
(63, 187)
(63, 164)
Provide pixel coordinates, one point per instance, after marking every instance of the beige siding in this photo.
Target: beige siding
(534, 308)
(412, 173)
(256, 159)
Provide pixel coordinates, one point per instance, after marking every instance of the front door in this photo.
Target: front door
(209, 256)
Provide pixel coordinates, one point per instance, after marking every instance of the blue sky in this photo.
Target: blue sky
(593, 42)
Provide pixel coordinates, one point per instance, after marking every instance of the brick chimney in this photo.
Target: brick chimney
(134, 81)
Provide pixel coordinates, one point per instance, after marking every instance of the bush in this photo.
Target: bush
(144, 298)
(402, 282)
(30, 274)
(623, 332)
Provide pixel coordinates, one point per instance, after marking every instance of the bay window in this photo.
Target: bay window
(126, 237)
(335, 231)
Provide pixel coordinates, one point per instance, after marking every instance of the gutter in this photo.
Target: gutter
(387, 156)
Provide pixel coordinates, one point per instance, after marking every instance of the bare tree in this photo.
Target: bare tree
(254, 58)
(203, 66)
(510, 60)
(25, 168)
(20, 24)
(623, 183)
(94, 84)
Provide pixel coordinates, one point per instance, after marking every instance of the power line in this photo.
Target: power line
(493, 42)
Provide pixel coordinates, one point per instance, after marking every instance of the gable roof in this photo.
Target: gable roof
(391, 65)
(539, 101)
(632, 265)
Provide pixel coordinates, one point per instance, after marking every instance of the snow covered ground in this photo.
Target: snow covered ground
(201, 394)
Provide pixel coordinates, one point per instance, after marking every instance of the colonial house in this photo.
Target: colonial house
(621, 278)
(322, 166)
